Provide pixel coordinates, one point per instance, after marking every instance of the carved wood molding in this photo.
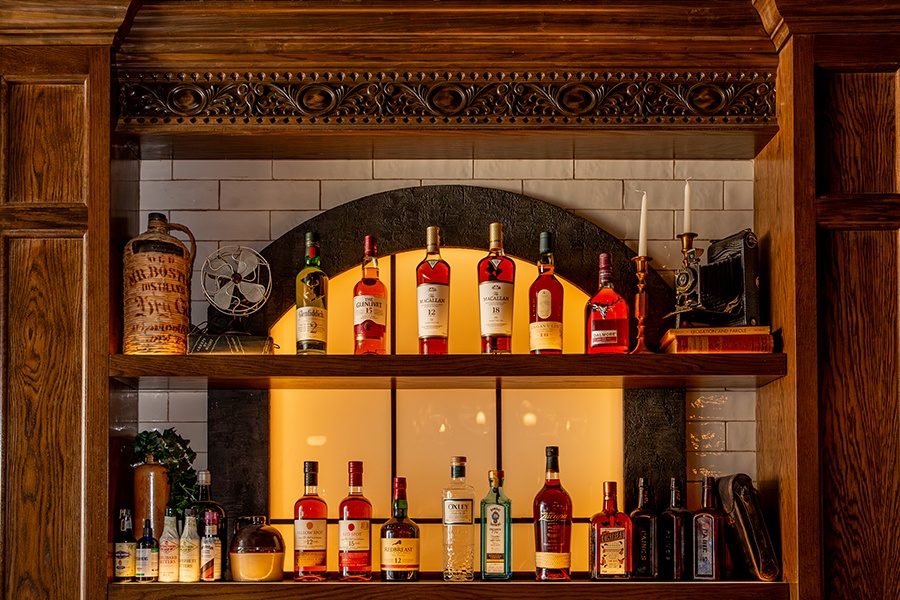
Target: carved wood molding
(450, 99)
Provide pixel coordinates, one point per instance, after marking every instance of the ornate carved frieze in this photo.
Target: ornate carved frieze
(450, 99)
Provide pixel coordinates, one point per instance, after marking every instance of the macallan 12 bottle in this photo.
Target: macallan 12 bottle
(310, 541)
(545, 304)
(644, 536)
(458, 520)
(496, 278)
(709, 536)
(552, 525)
(312, 301)
(610, 547)
(399, 540)
(674, 534)
(433, 296)
(606, 316)
(370, 305)
(355, 530)
(496, 531)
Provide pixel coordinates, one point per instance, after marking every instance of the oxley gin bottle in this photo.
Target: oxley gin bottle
(459, 524)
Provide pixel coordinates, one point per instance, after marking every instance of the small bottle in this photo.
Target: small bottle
(709, 536)
(125, 547)
(205, 503)
(399, 540)
(370, 305)
(458, 521)
(674, 535)
(496, 531)
(310, 519)
(643, 536)
(312, 301)
(211, 548)
(610, 551)
(355, 530)
(552, 525)
(189, 549)
(606, 316)
(545, 304)
(496, 278)
(146, 558)
(168, 548)
(433, 295)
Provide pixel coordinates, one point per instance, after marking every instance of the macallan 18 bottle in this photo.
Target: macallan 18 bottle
(433, 296)
(606, 316)
(310, 540)
(355, 530)
(610, 543)
(370, 305)
(552, 525)
(312, 301)
(545, 304)
(496, 278)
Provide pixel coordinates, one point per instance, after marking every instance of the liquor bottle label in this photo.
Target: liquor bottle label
(210, 559)
(168, 560)
(495, 539)
(309, 534)
(369, 308)
(611, 551)
(434, 309)
(457, 511)
(705, 559)
(353, 535)
(544, 304)
(603, 337)
(496, 307)
(552, 560)
(399, 554)
(146, 563)
(125, 559)
(545, 335)
(311, 324)
(189, 560)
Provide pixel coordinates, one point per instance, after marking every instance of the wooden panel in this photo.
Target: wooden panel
(861, 414)
(856, 133)
(43, 417)
(61, 21)
(830, 16)
(855, 211)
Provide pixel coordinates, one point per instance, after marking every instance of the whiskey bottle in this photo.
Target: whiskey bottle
(458, 522)
(312, 301)
(545, 304)
(433, 296)
(210, 548)
(552, 525)
(168, 548)
(606, 316)
(643, 536)
(189, 549)
(610, 542)
(496, 531)
(709, 536)
(355, 530)
(399, 540)
(370, 305)
(146, 555)
(674, 535)
(204, 504)
(496, 278)
(125, 548)
(310, 519)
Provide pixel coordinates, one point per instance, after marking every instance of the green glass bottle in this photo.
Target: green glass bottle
(312, 306)
(496, 531)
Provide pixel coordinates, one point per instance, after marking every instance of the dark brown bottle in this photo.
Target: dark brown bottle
(552, 525)
(709, 536)
(675, 540)
(643, 536)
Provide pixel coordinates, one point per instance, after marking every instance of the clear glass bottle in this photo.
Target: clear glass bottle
(643, 536)
(205, 503)
(459, 524)
(310, 520)
(146, 556)
(168, 548)
(433, 296)
(189, 549)
(370, 305)
(355, 530)
(709, 536)
(552, 525)
(674, 535)
(545, 304)
(210, 548)
(312, 301)
(496, 531)
(399, 540)
(125, 546)
(496, 279)
(610, 547)
(606, 316)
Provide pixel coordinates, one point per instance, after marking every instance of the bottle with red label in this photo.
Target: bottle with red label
(370, 305)
(399, 540)
(606, 316)
(610, 543)
(310, 518)
(545, 303)
(552, 525)
(496, 278)
(355, 530)
(433, 296)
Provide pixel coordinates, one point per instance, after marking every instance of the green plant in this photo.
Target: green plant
(175, 453)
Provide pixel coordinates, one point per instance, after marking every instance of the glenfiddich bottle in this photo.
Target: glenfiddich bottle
(709, 536)
(310, 540)
(312, 301)
(433, 296)
(496, 277)
(496, 531)
(458, 520)
(545, 304)
(606, 316)
(643, 538)
(552, 525)
(399, 540)
(674, 535)
(370, 305)
(610, 543)
(355, 530)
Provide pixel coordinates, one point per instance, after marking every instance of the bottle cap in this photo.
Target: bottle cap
(673, 483)
(496, 235)
(312, 237)
(609, 488)
(546, 244)
(170, 512)
(211, 517)
(433, 238)
(552, 450)
(204, 477)
(495, 476)
(310, 466)
(148, 528)
(708, 481)
(370, 245)
(458, 460)
(399, 483)
(156, 216)
(642, 482)
(355, 466)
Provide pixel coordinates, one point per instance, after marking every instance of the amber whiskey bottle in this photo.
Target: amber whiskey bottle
(610, 542)
(496, 281)
(674, 535)
(709, 536)
(433, 296)
(643, 536)
(370, 305)
(399, 540)
(545, 304)
(355, 530)
(310, 540)
(552, 525)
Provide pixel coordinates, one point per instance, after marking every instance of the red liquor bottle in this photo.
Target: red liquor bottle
(610, 547)
(606, 316)
(545, 304)
(643, 536)
(674, 535)
(552, 525)
(355, 530)
(433, 295)
(399, 540)
(496, 278)
(709, 536)
(310, 514)
(370, 305)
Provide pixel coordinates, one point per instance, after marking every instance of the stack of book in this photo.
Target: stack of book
(738, 340)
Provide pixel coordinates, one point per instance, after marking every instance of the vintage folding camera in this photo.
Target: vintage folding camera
(725, 291)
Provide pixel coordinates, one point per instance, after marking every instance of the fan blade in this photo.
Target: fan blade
(253, 292)
(222, 299)
(247, 262)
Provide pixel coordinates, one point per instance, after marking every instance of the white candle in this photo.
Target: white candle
(642, 240)
(687, 207)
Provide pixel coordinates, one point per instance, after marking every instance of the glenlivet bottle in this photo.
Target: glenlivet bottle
(496, 278)
(610, 547)
(643, 536)
(496, 531)
(125, 547)
(458, 520)
(433, 296)
(310, 518)
(545, 304)
(674, 534)
(370, 305)
(399, 540)
(606, 316)
(355, 530)
(709, 536)
(552, 525)
(312, 301)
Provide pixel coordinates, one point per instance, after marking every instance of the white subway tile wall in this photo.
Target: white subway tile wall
(252, 202)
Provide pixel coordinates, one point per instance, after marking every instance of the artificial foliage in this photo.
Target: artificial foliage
(175, 453)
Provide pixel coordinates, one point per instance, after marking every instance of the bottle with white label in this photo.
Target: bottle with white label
(168, 548)
(312, 301)
(355, 530)
(496, 280)
(370, 305)
(125, 548)
(433, 296)
(459, 524)
(189, 549)
(211, 548)
(606, 316)
(496, 531)
(545, 304)
(310, 518)
(146, 556)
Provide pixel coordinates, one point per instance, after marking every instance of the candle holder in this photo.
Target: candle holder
(691, 254)
(640, 303)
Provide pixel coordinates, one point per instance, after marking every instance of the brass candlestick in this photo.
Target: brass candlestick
(640, 303)
(687, 247)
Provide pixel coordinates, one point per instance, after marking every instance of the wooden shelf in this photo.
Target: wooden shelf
(448, 371)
